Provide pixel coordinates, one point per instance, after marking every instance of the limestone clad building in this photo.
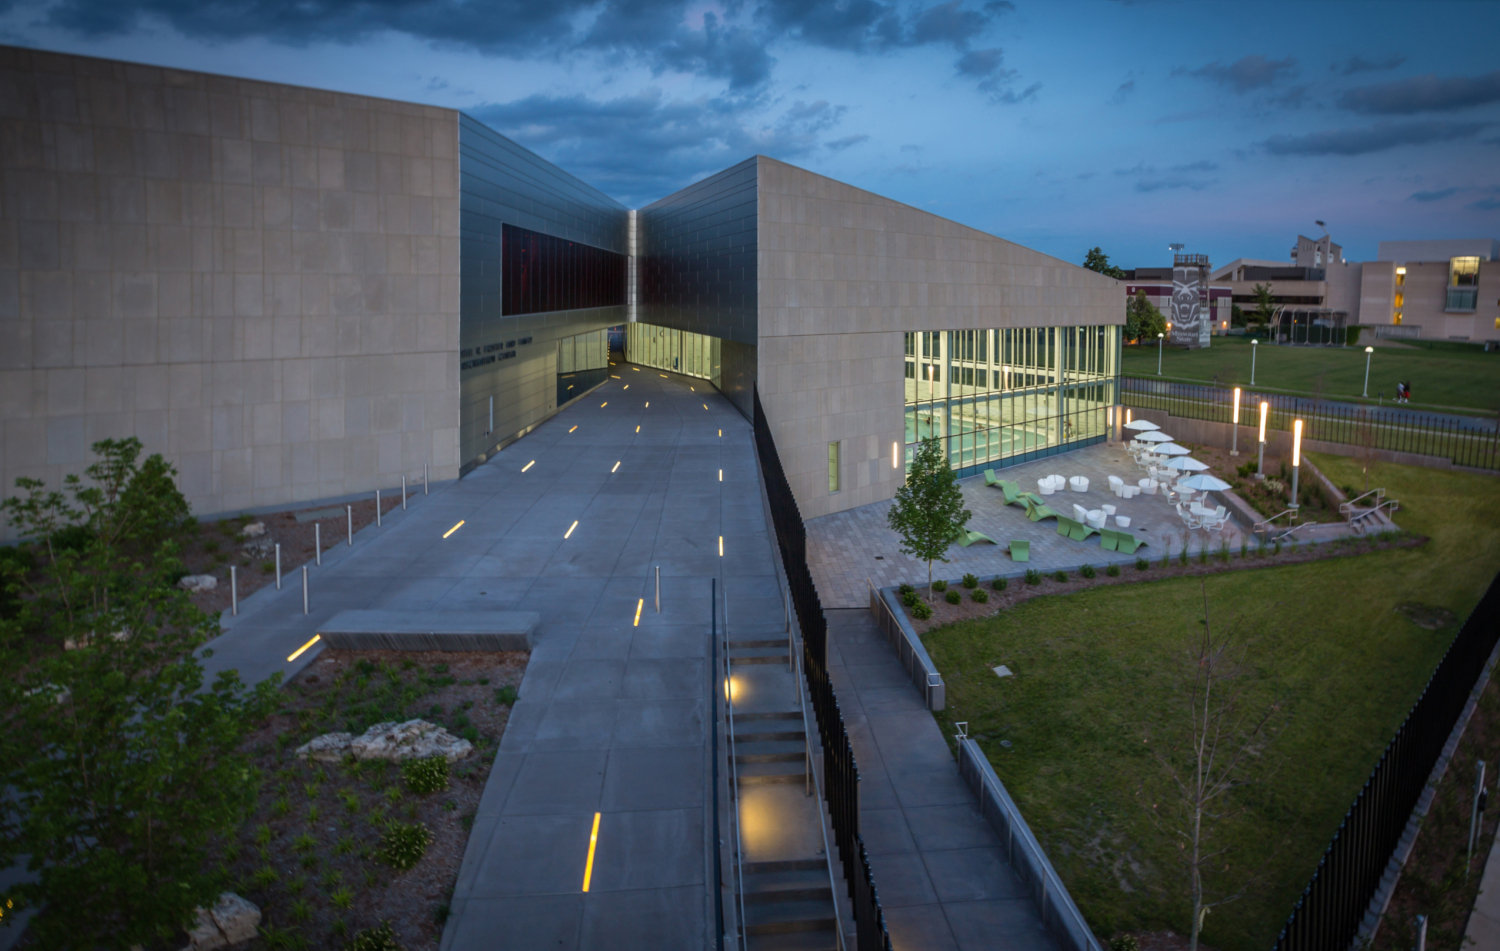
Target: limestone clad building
(299, 295)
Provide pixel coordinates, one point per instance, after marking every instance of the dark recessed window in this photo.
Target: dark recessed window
(543, 273)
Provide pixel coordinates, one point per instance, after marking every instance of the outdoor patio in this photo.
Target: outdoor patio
(849, 551)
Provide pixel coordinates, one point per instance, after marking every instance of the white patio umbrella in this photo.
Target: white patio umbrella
(1203, 482)
(1154, 435)
(1170, 449)
(1141, 425)
(1186, 464)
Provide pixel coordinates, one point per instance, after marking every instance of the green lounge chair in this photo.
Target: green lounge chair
(965, 539)
(1127, 543)
(1036, 511)
(1064, 525)
(1023, 496)
(1109, 539)
(990, 479)
(1013, 494)
(1080, 532)
(1020, 551)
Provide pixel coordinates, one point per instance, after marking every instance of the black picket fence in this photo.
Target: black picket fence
(1468, 441)
(1328, 915)
(840, 772)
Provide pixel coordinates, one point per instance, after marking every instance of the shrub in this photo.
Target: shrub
(1059, 576)
(906, 589)
(425, 776)
(268, 567)
(1033, 576)
(970, 581)
(382, 938)
(1113, 571)
(210, 546)
(910, 598)
(1087, 571)
(1182, 556)
(999, 584)
(953, 597)
(1124, 942)
(922, 611)
(507, 695)
(980, 595)
(940, 586)
(1142, 564)
(402, 846)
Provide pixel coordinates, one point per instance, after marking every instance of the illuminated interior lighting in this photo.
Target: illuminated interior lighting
(533, 462)
(721, 546)
(570, 528)
(588, 868)
(575, 427)
(454, 528)
(638, 606)
(299, 651)
(617, 466)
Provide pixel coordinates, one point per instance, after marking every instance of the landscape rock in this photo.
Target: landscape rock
(231, 921)
(258, 547)
(63, 694)
(414, 739)
(328, 748)
(254, 530)
(198, 583)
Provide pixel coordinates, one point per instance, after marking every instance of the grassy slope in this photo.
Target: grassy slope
(1437, 377)
(1095, 681)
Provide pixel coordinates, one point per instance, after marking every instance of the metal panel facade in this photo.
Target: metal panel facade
(502, 183)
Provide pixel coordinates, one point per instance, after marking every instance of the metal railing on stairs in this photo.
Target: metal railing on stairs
(840, 786)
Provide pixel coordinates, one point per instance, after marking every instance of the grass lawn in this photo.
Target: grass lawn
(1095, 693)
(1467, 378)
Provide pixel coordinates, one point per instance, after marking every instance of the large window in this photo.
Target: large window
(680, 351)
(541, 273)
(993, 395)
(1463, 284)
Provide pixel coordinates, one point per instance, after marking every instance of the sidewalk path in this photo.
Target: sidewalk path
(943, 880)
(613, 717)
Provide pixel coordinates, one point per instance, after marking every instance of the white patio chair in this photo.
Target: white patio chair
(1079, 483)
(1095, 518)
(1122, 520)
(1080, 513)
(1117, 485)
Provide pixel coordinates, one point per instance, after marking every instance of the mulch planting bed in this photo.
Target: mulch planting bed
(311, 853)
(1018, 590)
(1433, 882)
(214, 546)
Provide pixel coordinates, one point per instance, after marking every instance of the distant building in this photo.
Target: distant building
(1438, 290)
(1195, 309)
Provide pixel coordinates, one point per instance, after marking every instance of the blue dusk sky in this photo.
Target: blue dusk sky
(1227, 126)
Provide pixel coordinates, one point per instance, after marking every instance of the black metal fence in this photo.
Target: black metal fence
(1328, 915)
(1468, 441)
(840, 772)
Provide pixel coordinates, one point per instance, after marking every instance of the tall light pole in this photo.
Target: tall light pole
(1254, 349)
(1260, 465)
(1234, 446)
(1159, 339)
(1296, 459)
(1368, 352)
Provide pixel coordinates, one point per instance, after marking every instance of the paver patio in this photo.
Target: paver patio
(848, 551)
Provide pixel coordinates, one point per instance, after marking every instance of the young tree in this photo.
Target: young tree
(1142, 320)
(929, 510)
(1097, 260)
(123, 766)
(1206, 758)
(1265, 310)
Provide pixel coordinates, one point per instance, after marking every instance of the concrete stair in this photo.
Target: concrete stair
(789, 906)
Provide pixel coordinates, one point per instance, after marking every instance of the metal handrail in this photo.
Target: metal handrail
(1379, 494)
(734, 785)
(833, 885)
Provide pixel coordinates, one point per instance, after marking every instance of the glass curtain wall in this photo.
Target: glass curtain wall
(998, 397)
(582, 363)
(680, 351)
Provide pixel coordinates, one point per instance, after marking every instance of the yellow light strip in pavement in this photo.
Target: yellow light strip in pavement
(648, 404)
(533, 462)
(662, 375)
(570, 528)
(627, 386)
(705, 406)
(617, 466)
(638, 605)
(575, 427)
(604, 404)
(721, 434)
(691, 390)
(612, 376)
(638, 429)
(636, 369)
(721, 475)
(721, 546)
(588, 868)
(454, 528)
(299, 651)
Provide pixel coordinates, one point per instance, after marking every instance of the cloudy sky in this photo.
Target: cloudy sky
(1061, 125)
